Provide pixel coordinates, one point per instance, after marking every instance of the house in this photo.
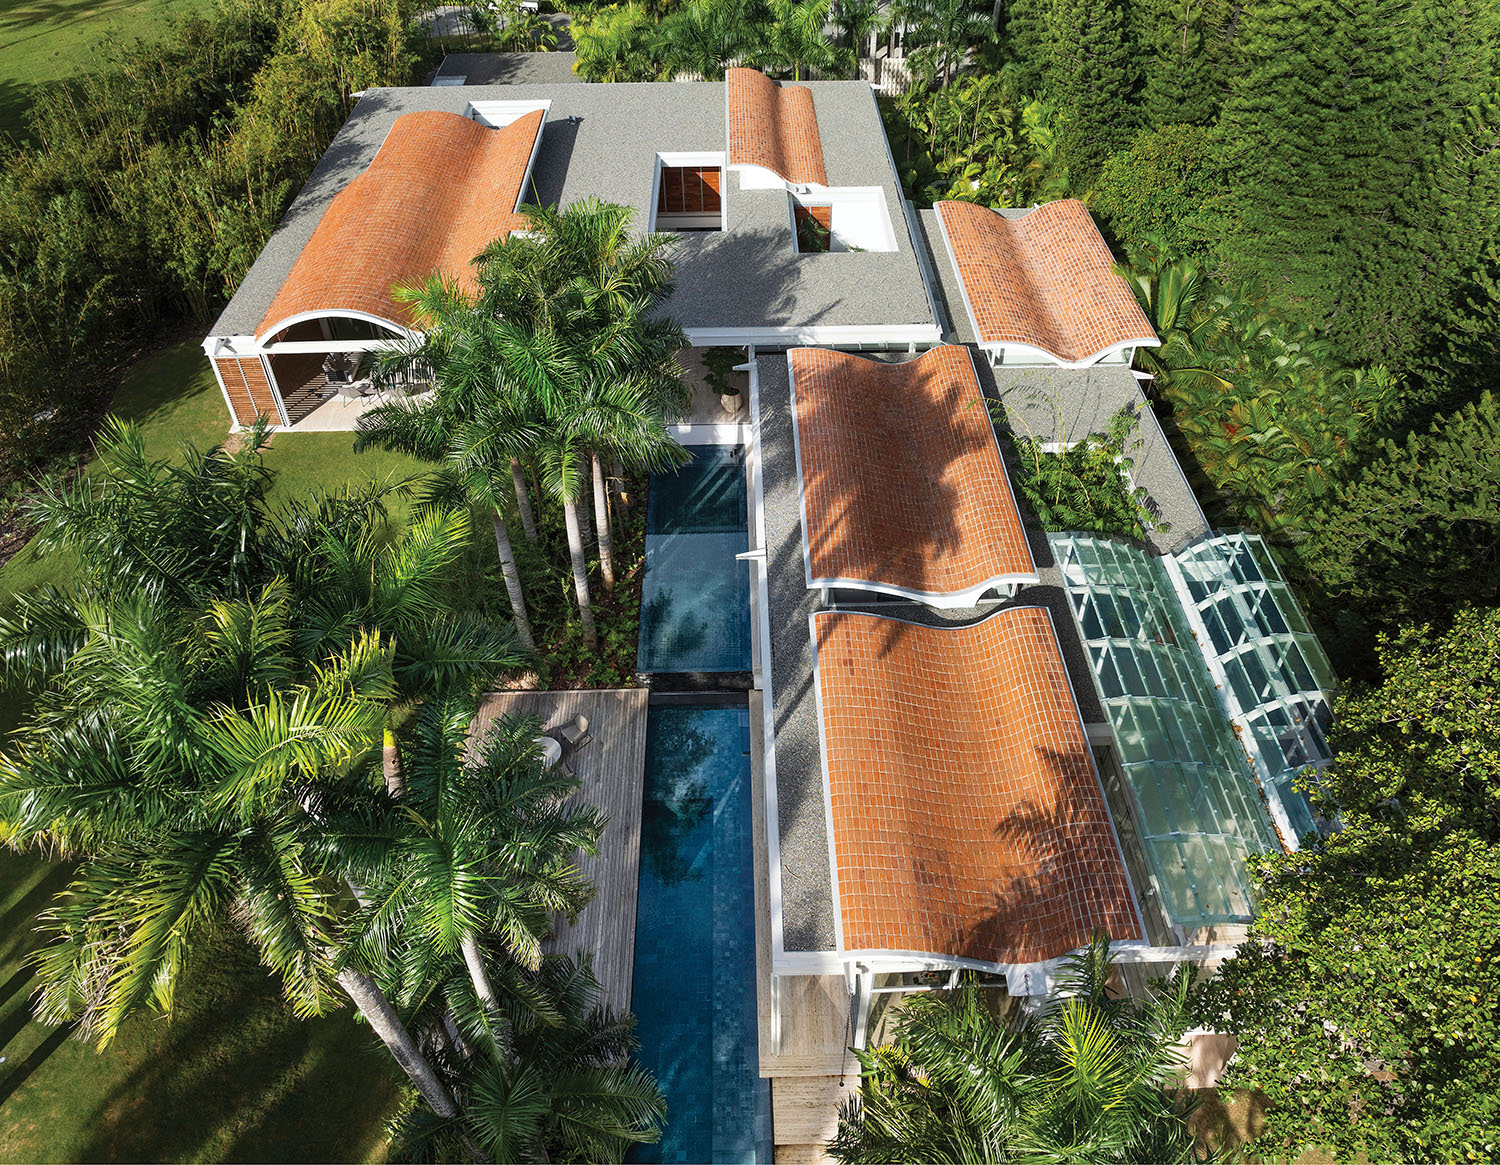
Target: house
(979, 743)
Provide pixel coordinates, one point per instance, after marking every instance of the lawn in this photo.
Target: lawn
(234, 1076)
(173, 397)
(49, 40)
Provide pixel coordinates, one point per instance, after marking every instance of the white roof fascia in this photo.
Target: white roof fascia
(834, 336)
(1050, 359)
(938, 600)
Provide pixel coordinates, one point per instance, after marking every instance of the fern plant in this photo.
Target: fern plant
(1086, 486)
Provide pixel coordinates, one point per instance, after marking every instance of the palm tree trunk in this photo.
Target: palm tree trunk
(580, 573)
(512, 581)
(617, 475)
(601, 523)
(481, 978)
(523, 500)
(390, 764)
(386, 1024)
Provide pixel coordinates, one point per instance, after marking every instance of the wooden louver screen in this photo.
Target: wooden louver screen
(688, 190)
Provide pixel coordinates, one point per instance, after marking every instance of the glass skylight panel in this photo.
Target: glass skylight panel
(1272, 673)
(1195, 795)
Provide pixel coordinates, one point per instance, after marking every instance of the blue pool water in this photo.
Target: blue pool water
(694, 995)
(695, 601)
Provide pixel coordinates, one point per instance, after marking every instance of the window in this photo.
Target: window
(688, 198)
(814, 228)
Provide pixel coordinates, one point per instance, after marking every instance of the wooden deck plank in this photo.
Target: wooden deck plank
(611, 768)
(805, 1109)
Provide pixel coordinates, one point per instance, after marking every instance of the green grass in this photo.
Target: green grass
(234, 1075)
(173, 397)
(42, 41)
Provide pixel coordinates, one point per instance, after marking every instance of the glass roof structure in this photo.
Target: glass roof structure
(1217, 691)
(1197, 803)
(1270, 668)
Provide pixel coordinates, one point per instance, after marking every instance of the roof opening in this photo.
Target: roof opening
(689, 198)
(847, 218)
(814, 227)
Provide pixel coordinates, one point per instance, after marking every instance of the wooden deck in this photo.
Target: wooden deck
(612, 768)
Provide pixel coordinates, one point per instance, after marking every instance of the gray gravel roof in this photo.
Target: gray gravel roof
(802, 824)
(511, 68)
(1067, 404)
(601, 140)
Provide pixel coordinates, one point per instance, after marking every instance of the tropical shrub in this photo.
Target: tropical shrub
(1167, 186)
(1086, 486)
(978, 140)
(1088, 1081)
(1365, 998)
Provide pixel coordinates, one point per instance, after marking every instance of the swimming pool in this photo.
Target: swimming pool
(694, 993)
(695, 600)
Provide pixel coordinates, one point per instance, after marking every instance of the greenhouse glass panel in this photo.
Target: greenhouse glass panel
(1278, 687)
(1190, 780)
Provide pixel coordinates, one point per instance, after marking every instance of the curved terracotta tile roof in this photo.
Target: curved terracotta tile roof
(967, 820)
(902, 482)
(774, 126)
(438, 191)
(1043, 279)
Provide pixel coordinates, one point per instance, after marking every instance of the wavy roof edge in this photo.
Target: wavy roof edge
(1042, 280)
(873, 459)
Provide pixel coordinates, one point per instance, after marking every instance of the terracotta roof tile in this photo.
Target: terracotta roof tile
(774, 126)
(967, 819)
(902, 481)
(439, 190)
(1044, 279)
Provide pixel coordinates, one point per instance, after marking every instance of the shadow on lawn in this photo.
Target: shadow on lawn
(15, 102)
(262, 1084)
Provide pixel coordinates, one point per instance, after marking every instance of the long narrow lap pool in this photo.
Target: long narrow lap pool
(694, 994)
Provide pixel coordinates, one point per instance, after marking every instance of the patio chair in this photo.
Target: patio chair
(349, 392)
(577, 733)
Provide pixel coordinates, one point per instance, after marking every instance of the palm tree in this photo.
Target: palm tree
(470, 423)
(1177, 300)
(1088, 1081)
(794, 39)
(706, 36)
(859, 20)
(486, 849)
(569, 1092)
(616, 43)
(945, 30)
(597, 291)
(203, 703)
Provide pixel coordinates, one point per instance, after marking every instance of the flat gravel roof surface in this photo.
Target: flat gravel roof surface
(601, 141)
